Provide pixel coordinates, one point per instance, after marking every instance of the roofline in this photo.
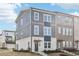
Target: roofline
(8, 30)
(54, 11)
(45, 11)
(21, 13)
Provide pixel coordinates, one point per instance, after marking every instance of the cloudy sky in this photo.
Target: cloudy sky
(9, 11)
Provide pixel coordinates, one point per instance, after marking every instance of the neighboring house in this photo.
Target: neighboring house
(8, 39)
(40, 30)
(76, 32)
(2, 39)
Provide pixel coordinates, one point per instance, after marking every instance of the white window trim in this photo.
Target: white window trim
(47, 44)
(64, 31)
(35, 16)
(35, 30)
(70, 32)
(47, 33)
(67, 31)
(59, 30)
(47, 18)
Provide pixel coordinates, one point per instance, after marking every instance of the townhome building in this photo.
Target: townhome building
(39, 30)
(7, 39)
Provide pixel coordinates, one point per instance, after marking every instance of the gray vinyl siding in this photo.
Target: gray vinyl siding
(25, 28)
(60, 23)
(42, 24)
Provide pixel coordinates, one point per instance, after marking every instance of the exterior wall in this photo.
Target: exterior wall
(40, 44)
(23, 31)
(27, 30)
(10, 46)
(53, 44)
(7, 34)
(2, 41)
(60, 22)
(76, 28)
(41, 23)
(76, 32)
(23, 44)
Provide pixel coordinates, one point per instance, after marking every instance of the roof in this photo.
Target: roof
(55, 12)
(46, 11)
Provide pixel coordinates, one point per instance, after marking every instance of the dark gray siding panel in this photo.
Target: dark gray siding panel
(24, 30)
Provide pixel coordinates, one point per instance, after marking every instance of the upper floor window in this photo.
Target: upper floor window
(36, 16)
(47, 18)
(70, 32)
(36, 29)
(64, 31)
(67, 31)
(47, 31)
(59, 30)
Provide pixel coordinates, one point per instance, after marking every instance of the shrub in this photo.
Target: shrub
(70, 49)
(21, 50)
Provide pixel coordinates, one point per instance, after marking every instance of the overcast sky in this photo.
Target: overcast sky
(9, 11)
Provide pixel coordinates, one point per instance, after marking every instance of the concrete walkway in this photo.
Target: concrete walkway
(70, 53)
(41, 53)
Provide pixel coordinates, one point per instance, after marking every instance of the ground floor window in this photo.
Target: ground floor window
(59, 44)
(63, 44)
(47, 44)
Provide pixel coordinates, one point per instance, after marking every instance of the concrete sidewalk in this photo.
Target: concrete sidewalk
(70, 53)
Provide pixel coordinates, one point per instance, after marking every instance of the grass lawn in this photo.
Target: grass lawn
(6, 52)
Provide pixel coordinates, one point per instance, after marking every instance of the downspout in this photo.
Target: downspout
(73, 32)
(30, 29)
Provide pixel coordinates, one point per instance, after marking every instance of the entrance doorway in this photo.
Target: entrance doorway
(36, 46)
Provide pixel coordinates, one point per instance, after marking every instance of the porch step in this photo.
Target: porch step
(42, 53)
(70, 53)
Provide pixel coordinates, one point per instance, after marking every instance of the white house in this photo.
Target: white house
(7, 39)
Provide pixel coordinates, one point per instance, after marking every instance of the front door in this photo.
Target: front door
(36, 46)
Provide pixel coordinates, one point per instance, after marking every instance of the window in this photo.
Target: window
(67, 31)
(59, 30)
(63, 31)
(63, 43)
(47, 18)
(36, 16)
(47, 38)
(36, 29)
(47, 45)
(47, 31)
(70, 44)
(67, 44)
(70, 32)
(21, 21)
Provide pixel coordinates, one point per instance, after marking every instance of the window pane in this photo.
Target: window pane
(36, 16)
(49, 45)
(47, 31)
(59, 29)
(47, 38)
(47, 18)
(45, 45)
(36, 29)
(63, 31)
